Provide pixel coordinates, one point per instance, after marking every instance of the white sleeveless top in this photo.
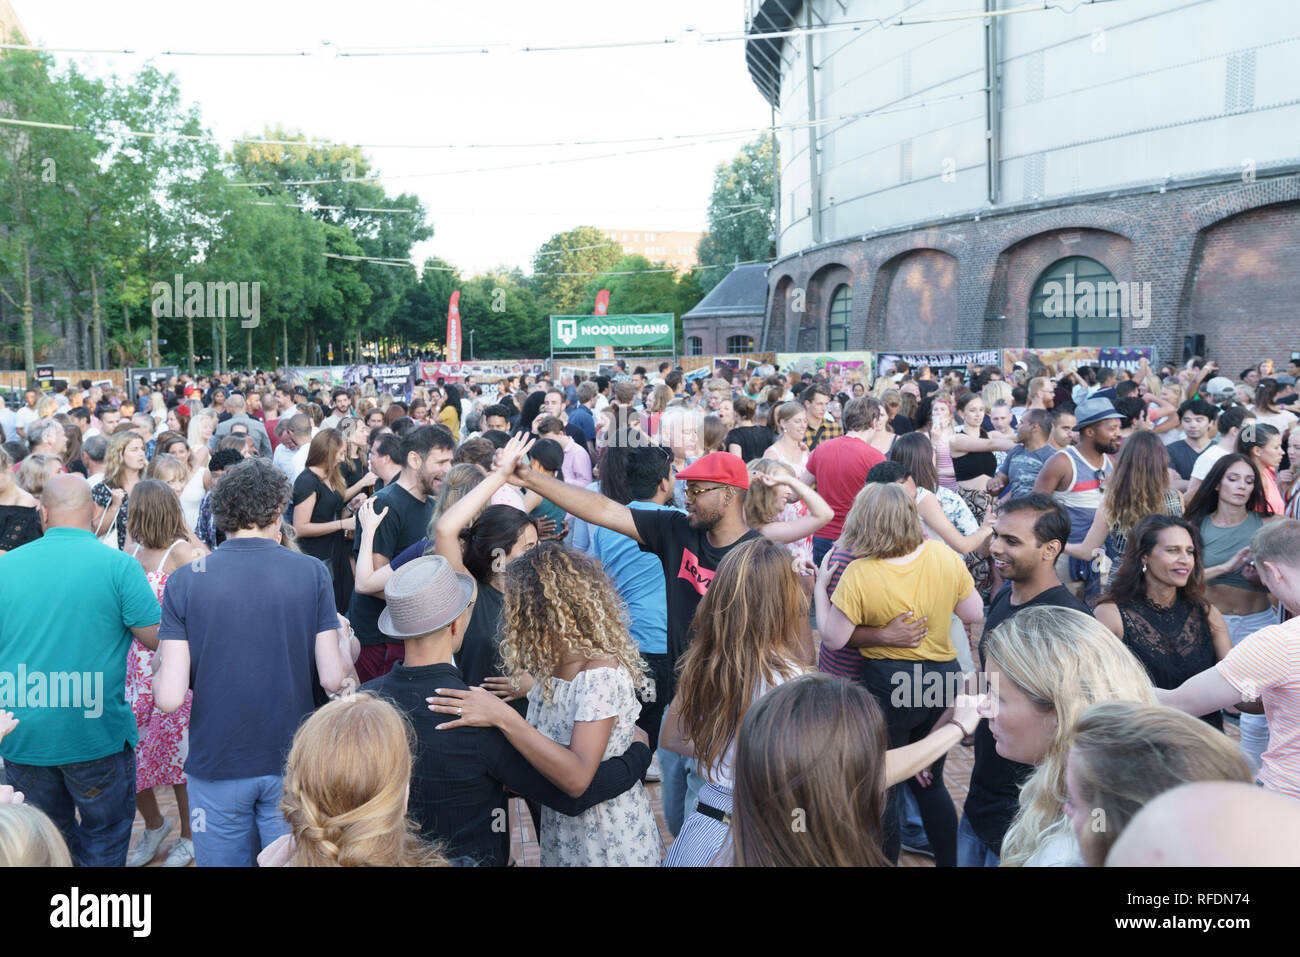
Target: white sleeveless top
(192, 498)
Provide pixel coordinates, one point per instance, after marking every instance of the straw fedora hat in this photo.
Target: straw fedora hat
(424, 596)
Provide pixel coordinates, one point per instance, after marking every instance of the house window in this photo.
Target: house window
(695, 346)
(1076, 302)
(738, 344)
(841, 307)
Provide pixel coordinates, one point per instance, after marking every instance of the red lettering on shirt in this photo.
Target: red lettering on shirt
(698, 578)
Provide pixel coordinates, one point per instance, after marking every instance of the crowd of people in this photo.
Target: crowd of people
(343, 627)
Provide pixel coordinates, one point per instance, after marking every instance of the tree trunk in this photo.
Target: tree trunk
(225, 355)
(126, 313)
(304, 345)
(153, 330)
(29, 321)
(95, 322)
(284, 329)
(189, 335)
(249, 339)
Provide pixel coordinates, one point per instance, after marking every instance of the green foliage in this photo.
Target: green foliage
(742, 212)
(583, 251)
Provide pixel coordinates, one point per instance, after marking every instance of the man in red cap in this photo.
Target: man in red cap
(689, 546)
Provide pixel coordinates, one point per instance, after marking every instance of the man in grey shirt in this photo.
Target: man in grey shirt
(239, 416)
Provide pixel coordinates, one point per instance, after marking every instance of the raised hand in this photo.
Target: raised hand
(512, 455)
(367, 517)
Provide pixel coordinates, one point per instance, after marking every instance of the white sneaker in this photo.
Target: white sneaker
(652, 773)
(150, 841)
(182, 854)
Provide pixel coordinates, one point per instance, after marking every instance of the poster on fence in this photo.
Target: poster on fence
(887, 362)
(482, 371)
(327, 375)
(1057, 360)
(825, 363)
(1127, 357)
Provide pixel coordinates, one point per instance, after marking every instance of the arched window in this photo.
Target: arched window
(1077, 302)
(739, 344)
(841, 306)
(695, 346)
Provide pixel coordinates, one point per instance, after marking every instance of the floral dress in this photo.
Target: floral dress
(620, 832)
(164, 738)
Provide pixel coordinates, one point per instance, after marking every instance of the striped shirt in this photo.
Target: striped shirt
(844, 662)
(1267, 664)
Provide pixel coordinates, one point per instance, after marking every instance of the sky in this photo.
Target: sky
(481, 218)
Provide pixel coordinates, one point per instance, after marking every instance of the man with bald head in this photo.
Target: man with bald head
(1212, 824)
(239, 416)
(64, 640)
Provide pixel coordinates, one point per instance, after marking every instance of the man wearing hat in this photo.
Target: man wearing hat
(689, 547)
(1219, 389)
(1076, 476)
(459, 776)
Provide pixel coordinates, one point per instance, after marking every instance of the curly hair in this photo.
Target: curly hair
(252, 494)
(345, 788)
(558, 600)
(765, 502)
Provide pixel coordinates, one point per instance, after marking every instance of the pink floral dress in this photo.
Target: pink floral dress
(164, 738)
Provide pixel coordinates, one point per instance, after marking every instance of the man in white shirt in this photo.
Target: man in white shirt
(27, 414)
(342, 401)
(8, 421)
(1229, 423)
(297, 438)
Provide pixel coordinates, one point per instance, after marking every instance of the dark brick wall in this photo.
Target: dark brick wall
(1222, 259)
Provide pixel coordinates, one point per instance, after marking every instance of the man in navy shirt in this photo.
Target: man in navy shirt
(251, 674)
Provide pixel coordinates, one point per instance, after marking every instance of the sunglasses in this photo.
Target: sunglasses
(693, 493)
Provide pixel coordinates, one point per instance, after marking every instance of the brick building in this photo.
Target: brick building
(729, 319)
(1101, 151)
(678, 249)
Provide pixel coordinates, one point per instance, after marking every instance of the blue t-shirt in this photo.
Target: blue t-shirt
(639, 578)
(581, 417)
(251, 612)
(1021, 467)
(67, 607)
(580, 531)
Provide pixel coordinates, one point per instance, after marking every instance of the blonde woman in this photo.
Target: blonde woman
(582, 708)
(679, 431)
(28, 838)
(1044, 667)
(1127, 754)
(346, 787)
(202, 426)
(37, 469)
(659, 400)
(124, 465)
(19, 521)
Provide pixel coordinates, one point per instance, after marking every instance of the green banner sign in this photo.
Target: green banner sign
(586, 333)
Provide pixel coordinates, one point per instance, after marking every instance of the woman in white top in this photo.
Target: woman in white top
(202, 425)
(746, 642)
(1268, 412)
(1045, 665)
(790, 423)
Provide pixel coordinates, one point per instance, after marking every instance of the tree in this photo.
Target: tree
(742, 212)
(421, 314)
(637, 287)
(565, 263)
(505, 315)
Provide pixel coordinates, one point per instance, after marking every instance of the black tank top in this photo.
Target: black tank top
(974, 464)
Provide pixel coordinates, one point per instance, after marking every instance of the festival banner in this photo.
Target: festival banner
(482, 371)
(938, 362)
(602, 303)
(396, 380)
(824, 363)
(328, 375)
(584, 333)
(453, 328)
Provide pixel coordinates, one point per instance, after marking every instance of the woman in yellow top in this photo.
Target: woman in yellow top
(914, 681)
(449, 414)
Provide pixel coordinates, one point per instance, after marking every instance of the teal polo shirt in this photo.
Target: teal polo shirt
(67, 607)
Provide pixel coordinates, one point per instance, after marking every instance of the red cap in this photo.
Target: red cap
(721, 467)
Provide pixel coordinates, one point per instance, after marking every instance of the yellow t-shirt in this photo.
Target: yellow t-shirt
(874, 592)
(448, 417)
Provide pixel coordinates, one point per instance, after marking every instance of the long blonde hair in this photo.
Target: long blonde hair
(114, 458)
(745, 636)
(558, 601)
(28, 838)
(1126, 754)
(345, 788)
(764, 502)
(1064, 661)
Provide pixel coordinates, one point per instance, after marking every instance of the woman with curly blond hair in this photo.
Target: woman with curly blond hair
(346, 787)
(564, 626)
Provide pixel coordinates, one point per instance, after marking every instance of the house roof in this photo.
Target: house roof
(742, 292)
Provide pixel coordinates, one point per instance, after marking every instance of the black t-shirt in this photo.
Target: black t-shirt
(327, 508)
(995, 782)
(479, 656)
(457, 778)
(1182, 457)
(689, 561)
(752, 439)
(353, 471)
(406, 523)
(901, 424)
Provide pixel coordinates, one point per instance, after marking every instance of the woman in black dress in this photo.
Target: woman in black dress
(319, 496)
(19, 521)
(1156, 605)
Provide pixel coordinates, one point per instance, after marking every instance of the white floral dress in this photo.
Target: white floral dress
(620, 832)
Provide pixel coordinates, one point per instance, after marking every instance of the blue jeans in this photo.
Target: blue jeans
(971, 851)
(913, 830)
(101, 793)
(820, 547)
(234, 820)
